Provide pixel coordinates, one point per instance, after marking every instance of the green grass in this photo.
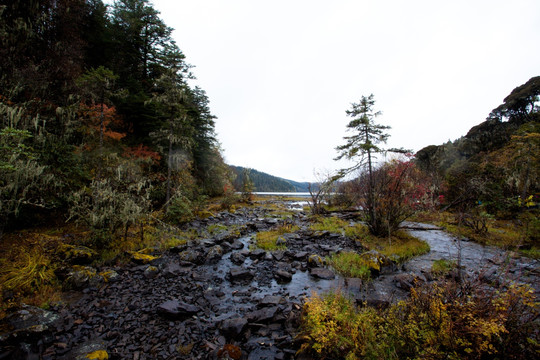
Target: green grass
(350, 264)
(266, 240)
(442, 267)
(400, 247)
(331, 224)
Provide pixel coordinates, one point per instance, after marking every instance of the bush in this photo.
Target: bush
(443, 321)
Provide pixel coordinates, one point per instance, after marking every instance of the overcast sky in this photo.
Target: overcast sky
(280, 74)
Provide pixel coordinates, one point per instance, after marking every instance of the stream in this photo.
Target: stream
(217, 296)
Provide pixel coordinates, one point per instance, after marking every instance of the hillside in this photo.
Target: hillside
(265, 182)
(497, 161)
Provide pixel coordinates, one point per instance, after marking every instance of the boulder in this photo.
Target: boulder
(240, 274)
(77, 255)
(322, 273)
(233, 327)
(315, 261)
(262, 315)
(282, 276)
(193, 256)
(81, 277)
(110, 276)
(151, 272)
(238, 258)
(214, 254)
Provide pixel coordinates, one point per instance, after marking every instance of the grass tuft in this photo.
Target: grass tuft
(350, 264)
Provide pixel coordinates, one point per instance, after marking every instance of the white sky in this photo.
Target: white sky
(281, 73)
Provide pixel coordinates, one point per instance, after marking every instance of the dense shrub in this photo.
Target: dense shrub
(445, 321)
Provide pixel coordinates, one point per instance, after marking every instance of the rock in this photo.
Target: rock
(405, 281)
(315, 261)
(322, 273)
(110, 276)
(240, 274)
(282, 276)
(270, 300)
(265, 353)
(237, 245)
(151, 272)
(233, 327)
(82, 277)
(93, 349)
(175, 310)
(257, 254)
(237, 258)
(281, 242)
(278, 255)
(214, 255)
(301, 255)
(29, 323)
(378, 263)
(262, 315)
(77, 255)
(192, 256)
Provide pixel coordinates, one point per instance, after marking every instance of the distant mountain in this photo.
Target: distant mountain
(267, 183)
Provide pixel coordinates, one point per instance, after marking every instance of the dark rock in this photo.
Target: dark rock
(278, 255)
(301, 255)
(281, 241)
(282, 275)
(237, 245)
(270, 300)
(237, 258)
(262, 315)
(322, 273)
(239, 274)
(192, 256)
(257, 253)
(265, 353)
(151, 272)
(233, 327)
(214, 254)
(175, 309)
(315, 261)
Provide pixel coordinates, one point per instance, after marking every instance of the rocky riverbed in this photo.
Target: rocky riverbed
(218, 297)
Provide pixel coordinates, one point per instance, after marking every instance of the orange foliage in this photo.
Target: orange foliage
(142, 152)
(92, 116)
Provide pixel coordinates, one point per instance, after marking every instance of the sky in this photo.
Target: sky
(280, 74)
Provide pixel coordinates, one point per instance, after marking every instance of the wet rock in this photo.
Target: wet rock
(301, 255)
(238, 258)
(262, 315)
(282, 276)
(257, 254)
(175, 309)
(315, 261)
(233, 327)
(237, 245)
(265, 353)
(322, 273)
(214, 254)
(378, 263)
(405, 281)
(194, 256)
(270, 300)
(151, 272)
(240, 274)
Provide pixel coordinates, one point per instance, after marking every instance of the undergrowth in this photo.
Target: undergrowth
(444, 321)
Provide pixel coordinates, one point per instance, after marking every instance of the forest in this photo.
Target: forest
(98, 119)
